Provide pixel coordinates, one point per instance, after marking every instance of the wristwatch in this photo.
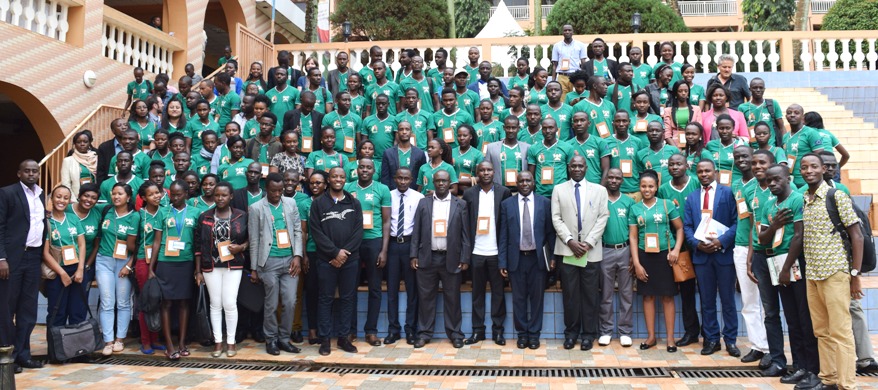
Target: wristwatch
(855, 272)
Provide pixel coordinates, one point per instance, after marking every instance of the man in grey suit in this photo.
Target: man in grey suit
(508, 156)
(440, 250)
(337, 78)
(579, 214)
(275, 259)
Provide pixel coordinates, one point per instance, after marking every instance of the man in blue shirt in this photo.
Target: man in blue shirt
(568, 56)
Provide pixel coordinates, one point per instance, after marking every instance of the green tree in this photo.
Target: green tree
(768, 15)
(470, 17)
(310, 20)
(852, 15)
(381, 20)
(613, 17)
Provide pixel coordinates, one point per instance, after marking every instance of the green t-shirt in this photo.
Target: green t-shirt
(168, 159)
(617, 224)
(281, 102)
(465, 164)
(139, 165)
(149, 224)
(537, 96)
(369, 75)
(200, 203)
(639, 129)
(696, 95)
(200, 165)
(146, 133)
(622, 96)
(492, 132)
(678, 197)
(346, 126)
(321, 161)
(755, 114)
(656, 160)
(436, 75)
(524, 135)
(351, 168)
(358, 104)
(251, 198)
(247, 83)
(90, 225)
(425, 95)
(804, 141)
(499, 106)
(572, 95)
(303, 202)
(235, 172)
(140, 91)
(518, 81)
(227, 103)
(795, 202)
(676, 66)
(593, 149)
(251, 129)
(279, 222)
(742, 231)
(642, 75)
(420, 122)
(554, 158)
(522, 118)
(382, 132)
(723, 157)
(468, 102)
(563, 117)
(694, 158)
(780, 155)
(322, 96)
(445, 126)
(425, 175)
(390, 89)
(601, 68)
(654, 220)
(373, 199)
(196, 127)
(65, 232)
(117, 227)
(597, 113)
(626, 151)
(107, 186)
(757, 201)
(473, 73)
(179, 227)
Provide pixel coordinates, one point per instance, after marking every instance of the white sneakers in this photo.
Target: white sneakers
(626, 341)
(115, 346)
(604, 340)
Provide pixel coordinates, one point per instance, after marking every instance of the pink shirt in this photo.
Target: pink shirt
(707, 121)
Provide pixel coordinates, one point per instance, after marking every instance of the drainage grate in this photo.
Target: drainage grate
(280, 367)
(717, 373)
(650, 372)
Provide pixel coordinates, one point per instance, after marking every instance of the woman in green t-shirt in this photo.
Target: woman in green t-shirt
(439, 156)
(115, 260)
(90, 218)
(326, 158)
(694, 149)
(138, 120)
(205, 200)
(193, 184)
(465, 157)
(537, 93)
(678, 114)
(64, 253)
(235, 171)
(152, 215)
(696, 92)
(650, 222)
(317, 184)
(175, 266)
(366, 149)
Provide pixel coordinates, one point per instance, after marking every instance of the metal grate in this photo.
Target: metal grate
(717, 373)
(279, 367)
(650, 372)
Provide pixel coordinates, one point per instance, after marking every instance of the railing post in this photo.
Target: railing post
(486, 51)
(787, 59)
(7, 369)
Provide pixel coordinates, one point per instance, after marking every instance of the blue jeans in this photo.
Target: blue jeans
(115, 293)
(71, 309)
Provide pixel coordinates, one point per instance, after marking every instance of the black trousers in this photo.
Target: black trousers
(430, 272)
(18, 310)
(399, 268)
(528, 287)
(311, 291)
(691, 323)
(485, 269)
(580, 292)
(345, 280)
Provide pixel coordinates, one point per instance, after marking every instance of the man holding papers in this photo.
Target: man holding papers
(525, 241)
(579, 215)
(709, 225)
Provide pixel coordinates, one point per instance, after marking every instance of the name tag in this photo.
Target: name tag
(225, 253)
(565, 65)
(120, 251)
(264, 170)
(682, 141)
(752, 133)
(743, 211)
(652, 243)
(283, 238)
(602, 129)
(147, 250)
(466, 177)
(791, 161)
(725, 177)
(440, 228)
(348, 144)
(448, 135)
(307, 144)
(483, 225)
(68, 255)
(778, 238)
(625, 166)
(510, 177)
(484, 148)
(367, 220)
(640, 126)
(84, 180)
(171, 247)
(547, 175)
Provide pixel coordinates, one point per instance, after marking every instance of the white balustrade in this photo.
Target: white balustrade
(130, 41)
(708, 8)
(546, 9)
(44, 17)
(821, 6)
(519, 12)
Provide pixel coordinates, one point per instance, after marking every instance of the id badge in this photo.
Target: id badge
(84, 180)
(264, 170)
(652, 243)
(602, 129)
(743, 211)
(440, 228)
(120, 251)
(547, 175)
(565, 65)
(283, 238)
(171, 246)
(682, 140)
(510, 177)
(625, 166)
(68, 255)
(448, 135)
(466, 176)
(725, 177)
(348, 144)
(791, 162)
(483, 225)
(368, 222)
(225, 253)
(307, 144)
(752, 131)
(484, 148)
(640, 126)
(778, 237)
(147, 250)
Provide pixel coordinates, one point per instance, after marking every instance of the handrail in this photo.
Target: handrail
(116, 17)
(219, 69)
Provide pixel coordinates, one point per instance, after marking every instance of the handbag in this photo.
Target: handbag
(203, 332)
(683, 269)
(69, 341)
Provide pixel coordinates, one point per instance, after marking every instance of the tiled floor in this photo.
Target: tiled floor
(438, 354)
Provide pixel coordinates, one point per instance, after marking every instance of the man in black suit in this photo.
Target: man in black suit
(483, 205)
(108, 149)
(440, 251)
(600, 65)
(293, 120)
(22, 222)
(283, 61)
(527, 238)
(411, 157)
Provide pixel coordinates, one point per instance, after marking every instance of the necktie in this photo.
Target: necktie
(706, 198)
(578, 210)
(400, 221)
(527, 234)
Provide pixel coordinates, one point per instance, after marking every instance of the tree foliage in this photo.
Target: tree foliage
(381, 20)
(613, 17)
(310, 20)
(768, 15)
(470, 17)
(852, 15)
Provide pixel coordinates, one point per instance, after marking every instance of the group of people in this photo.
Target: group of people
(605, 178)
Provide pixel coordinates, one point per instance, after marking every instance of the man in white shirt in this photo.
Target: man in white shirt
(568, 56)
(404, 201)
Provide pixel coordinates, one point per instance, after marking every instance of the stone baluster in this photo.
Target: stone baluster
(858, 53)
(872, 56)
(652, 59)
(4, 10)
(678, 52)
(819, 57)
(332, 65)
(546, 61)
(774, 57)
(746, 58)
(624, 51)
(17, 11)
(692, 58)
(832, 55)
(29, 14)
(846, 55)
(806, 55)
(704, 58)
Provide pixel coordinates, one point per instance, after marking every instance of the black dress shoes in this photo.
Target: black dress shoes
(686, 340)
(419, 343)
(391, 338)
(765, 362)
(325, 348)
(272, 348)
(794, 377)
(586, 345)
(533, 343)
(259, 336)
(569, 343)
(457, 343)
(410, 339)
(522, 342)
(296, 337)
(16, 368)
(774, 370)
(344, 343)
(287, 347)
(373, 340)
(752, 356)
(499, 339)
(810, 381)
(476, 337)
(30, 364)
(733, 350)
(710, 347)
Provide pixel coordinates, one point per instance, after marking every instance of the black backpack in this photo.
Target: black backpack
(866, 229)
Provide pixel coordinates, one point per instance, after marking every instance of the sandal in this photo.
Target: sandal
(172, 356)
(184, 351)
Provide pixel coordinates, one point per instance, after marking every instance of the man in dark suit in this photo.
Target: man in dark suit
(440, 251)
(713, 257)
(404, 153)
(283, 61)
(483, 205)
(22, 223)
(600, 65)
(527, 238)
(108, 149)
(293, 119)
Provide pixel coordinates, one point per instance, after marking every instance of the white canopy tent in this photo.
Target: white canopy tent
(501, 24)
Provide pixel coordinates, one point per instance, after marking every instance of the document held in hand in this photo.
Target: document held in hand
(708, 229)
